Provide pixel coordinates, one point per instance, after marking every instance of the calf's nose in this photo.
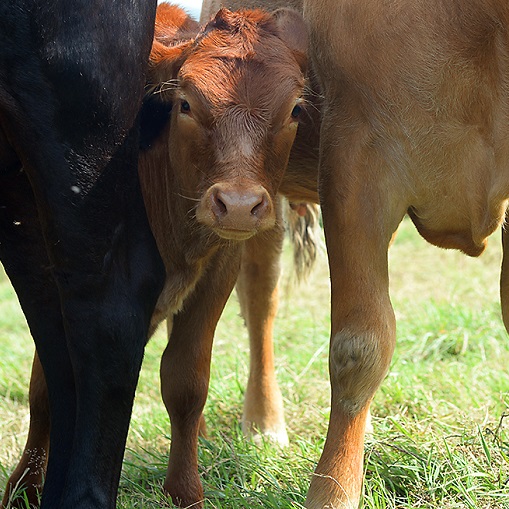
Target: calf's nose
(240, 205)
(237, 208)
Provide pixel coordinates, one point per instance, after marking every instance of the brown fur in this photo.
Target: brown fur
(300, 180)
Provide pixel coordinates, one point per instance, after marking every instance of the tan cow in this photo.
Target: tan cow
(415, 120)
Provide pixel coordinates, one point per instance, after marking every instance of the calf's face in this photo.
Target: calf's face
(235, 91)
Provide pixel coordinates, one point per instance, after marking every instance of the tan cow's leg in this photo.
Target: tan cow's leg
(31, 468)
(185, 370)
(358, 223)
(257, 289)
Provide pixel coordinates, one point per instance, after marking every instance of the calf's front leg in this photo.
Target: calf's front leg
(185, 371)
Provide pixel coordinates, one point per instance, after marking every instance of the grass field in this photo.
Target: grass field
(441, 417)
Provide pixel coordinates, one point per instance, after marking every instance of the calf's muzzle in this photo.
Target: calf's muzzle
(236, 211)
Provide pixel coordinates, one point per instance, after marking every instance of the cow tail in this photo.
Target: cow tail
(305, 237)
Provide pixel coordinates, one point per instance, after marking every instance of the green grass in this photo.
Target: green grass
(440, 418)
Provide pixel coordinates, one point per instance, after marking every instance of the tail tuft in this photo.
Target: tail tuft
(304, 230)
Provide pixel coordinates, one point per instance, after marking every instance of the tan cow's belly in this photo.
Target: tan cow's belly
(422, 96)
(452, 176)
(464, 233)
(460, 207)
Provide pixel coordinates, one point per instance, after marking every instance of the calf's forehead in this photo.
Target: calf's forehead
(260, 81)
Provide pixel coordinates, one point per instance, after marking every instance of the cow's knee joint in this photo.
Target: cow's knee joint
(358, 364)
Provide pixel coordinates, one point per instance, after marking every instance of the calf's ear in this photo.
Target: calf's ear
(173, 32)
(292, 31)
(173, 24)
(164, 64)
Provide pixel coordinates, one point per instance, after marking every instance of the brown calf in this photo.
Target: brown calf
(415, 120)
(217, 139)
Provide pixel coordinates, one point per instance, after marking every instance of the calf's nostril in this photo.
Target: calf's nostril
(218, 205)
(260, 207)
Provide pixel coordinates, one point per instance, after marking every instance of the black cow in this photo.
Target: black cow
(74, 238)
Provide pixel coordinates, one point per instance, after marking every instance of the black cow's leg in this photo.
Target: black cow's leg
(23, 254)
(117, 327)
(107, 295)
(106, 301)
(67, 110)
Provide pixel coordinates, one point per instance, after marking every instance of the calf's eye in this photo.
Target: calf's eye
(185, 107)
(297, 110)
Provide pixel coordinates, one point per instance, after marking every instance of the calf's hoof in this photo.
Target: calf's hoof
(17, 496)
(185, 491)
(274, 433)
(263, 417)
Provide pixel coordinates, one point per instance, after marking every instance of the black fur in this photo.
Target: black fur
(74, 237)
